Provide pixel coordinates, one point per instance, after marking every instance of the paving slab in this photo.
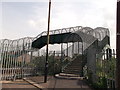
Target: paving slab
(37, 83)
(55, 83)
(17, 84)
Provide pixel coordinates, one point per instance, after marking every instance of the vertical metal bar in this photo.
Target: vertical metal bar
(118, 46)
(82, 60)
(54, 62)
(13, 61)
(67, 49)
(3, 50)
(27, 59)
(17, 55)
(24, 53)
(10, 60)
(5, 60)
(46, 63)
(61, 56)
(23, 59)
(104, 62)
(1, 64)
(114, 68)
(17, 52)
(10, 52)
(73, 49)
(78, 48)
(31, 54)
(22, 62)
(5, 57)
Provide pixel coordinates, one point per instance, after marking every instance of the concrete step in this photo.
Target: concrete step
(73, 67)
(71, 72)
(68, 77)
(76, 63)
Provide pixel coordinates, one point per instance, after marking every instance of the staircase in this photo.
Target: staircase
(74, 66)
(73, 70)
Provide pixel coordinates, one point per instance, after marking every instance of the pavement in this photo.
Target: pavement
(17, 84)
(37, 83)
(56, 83)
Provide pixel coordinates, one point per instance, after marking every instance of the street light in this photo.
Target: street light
(46, 63)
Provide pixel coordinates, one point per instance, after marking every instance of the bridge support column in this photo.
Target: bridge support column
(91, 62)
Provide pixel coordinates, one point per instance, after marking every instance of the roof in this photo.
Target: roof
(56, 39)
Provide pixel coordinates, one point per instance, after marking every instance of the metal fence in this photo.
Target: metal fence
(105, 70)
(15, 58)
(106, 66)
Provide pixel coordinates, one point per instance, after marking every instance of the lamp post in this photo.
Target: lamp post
(46, 63)
(118, 47)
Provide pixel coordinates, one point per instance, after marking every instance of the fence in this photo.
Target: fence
(19, 60)
(105, 70)
(106, 66)
(15, 58)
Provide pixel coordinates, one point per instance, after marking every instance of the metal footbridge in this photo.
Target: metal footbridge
(18, 53)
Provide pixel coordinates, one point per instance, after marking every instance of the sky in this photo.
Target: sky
(28, 18)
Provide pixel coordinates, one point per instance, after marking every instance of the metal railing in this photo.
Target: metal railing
(105, 70)
(106, 66)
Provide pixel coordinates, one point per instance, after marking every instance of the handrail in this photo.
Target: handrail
(63, 68)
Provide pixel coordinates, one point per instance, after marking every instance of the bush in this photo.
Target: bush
(102, 83)
(39, 65)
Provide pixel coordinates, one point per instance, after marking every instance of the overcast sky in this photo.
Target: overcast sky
(22, 18)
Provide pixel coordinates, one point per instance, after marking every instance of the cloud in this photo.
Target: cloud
(69, 13)
(31, 22)
(38, 24)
